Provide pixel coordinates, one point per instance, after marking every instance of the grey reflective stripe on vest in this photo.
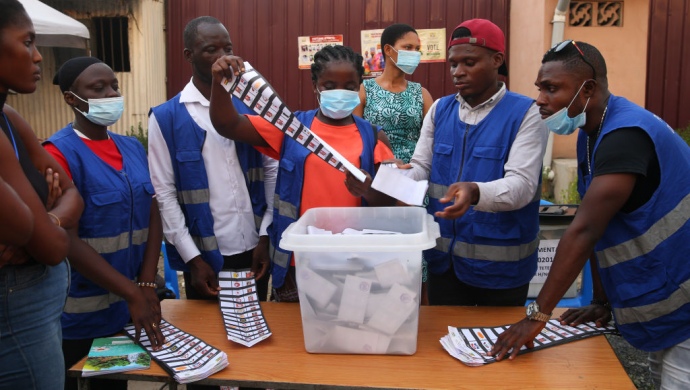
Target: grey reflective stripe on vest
(285, 209)
(647, 242)
(140, 236)
(654, 310)
(109, 244)
(442, 244)
(105, 245)
(207, 244)
(495, 252)
(193, 196)
(255, 174)
(437, 191)
(90, 304)
(279, 258)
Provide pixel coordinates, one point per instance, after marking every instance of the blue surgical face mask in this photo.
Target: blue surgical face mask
(104, 112)
(338, 103)
(560, 123)
(407, 60)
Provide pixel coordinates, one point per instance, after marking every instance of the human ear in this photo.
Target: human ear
(498, 59)
(589, 88)
(69, 98)
(187, 55)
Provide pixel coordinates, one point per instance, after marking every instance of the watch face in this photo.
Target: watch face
(530, 309)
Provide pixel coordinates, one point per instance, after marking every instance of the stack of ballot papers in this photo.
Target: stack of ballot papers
(472, 345)
(239, 305)
(185, 357)
(367, 304)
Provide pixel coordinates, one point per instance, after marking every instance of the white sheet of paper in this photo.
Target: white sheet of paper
(353, 303)
(392, 182)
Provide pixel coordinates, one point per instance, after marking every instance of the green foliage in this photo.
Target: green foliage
(684, 133)
(141, 135)
(570, 195)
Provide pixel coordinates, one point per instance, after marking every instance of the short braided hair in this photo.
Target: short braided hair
(335, 53)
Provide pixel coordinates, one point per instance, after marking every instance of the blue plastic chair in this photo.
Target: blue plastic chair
(170, 274)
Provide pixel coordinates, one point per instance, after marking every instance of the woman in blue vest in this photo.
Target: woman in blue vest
(304, 180)
(120, 219)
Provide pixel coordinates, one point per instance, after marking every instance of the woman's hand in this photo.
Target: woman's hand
(145, 310)
(54, 189)
(356, 187)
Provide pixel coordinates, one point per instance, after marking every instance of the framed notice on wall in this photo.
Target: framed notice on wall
(372, 53)
(308, 46)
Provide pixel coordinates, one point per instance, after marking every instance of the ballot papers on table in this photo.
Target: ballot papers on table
(472, 345)
(186, 357)
(257, 94)
(393, 182)
(239, 304)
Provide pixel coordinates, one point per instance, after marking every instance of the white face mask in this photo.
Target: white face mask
(338, 103)
(407, 60)
(104, 112)
(560, 123)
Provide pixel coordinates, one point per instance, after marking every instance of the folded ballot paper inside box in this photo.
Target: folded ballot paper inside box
(359, 272)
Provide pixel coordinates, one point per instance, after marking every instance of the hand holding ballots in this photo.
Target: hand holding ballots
(257, 94)
(185, 357)
(393, 182)
(472, 345)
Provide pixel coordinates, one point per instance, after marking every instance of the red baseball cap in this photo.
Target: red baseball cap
(483, 33)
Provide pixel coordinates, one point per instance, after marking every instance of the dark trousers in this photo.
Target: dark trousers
(74, 351)
(447, 289)
(239, 261)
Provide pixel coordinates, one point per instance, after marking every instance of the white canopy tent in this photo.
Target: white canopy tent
(53, 28)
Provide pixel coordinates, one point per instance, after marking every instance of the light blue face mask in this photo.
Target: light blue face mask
(338, 103)
(104, 112)
(407, 60)
(560, 123)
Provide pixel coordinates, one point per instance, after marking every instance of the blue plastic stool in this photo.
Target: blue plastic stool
(170, 274)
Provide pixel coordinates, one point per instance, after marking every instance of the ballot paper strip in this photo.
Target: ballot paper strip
(257, 94)
(239, 305)
(186, 357)
(472, 345)
(393, 182)
(347, 231)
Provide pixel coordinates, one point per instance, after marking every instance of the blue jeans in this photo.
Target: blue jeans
(31, 300)
(670, 367)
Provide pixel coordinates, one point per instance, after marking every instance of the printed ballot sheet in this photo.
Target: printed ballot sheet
(239, 305)
(393, 182)
(257, 94)
(186, 357)
(472, 345)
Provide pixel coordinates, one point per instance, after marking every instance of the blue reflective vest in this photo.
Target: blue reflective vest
(642, 256)
(115, 222)
(288, 196)
(185, 141)
(488, 250)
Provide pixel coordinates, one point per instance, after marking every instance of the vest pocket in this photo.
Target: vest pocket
(650, 278)
(190, 165)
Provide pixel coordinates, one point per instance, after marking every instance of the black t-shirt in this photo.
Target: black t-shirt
(628, 150)
(38, 182)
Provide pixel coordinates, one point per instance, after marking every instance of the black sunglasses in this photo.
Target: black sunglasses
(564, 44)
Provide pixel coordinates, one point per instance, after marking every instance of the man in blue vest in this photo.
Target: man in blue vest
(481, 148)
(212, 192)
(635, 188)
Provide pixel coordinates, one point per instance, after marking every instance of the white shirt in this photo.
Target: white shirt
(233, 218)
(522, 169)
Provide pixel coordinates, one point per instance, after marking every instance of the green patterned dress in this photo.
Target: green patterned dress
(399, 114)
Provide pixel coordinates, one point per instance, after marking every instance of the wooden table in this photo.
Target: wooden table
(281, 362)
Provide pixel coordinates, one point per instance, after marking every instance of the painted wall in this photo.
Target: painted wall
(624, 48)
(142, 88)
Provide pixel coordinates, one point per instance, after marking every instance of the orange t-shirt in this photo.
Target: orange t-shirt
(324, 186)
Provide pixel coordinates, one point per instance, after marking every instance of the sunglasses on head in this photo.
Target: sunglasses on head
(565, 44)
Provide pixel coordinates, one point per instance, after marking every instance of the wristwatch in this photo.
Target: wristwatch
(533, 312)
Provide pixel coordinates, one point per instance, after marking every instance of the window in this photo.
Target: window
(112, 42)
